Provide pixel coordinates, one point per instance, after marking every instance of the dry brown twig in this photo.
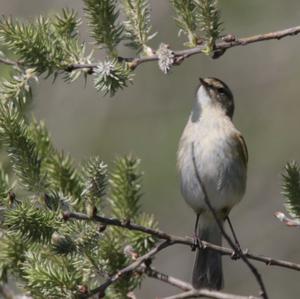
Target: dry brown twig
(219, 50)
(134, 267)
(229, 41)
(173, 281)
(189, 291)
(188, 241)
(209, 294)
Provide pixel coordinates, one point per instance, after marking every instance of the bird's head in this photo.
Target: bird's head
(213, 92)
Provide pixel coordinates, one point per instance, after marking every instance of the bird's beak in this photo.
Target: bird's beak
(203, 83)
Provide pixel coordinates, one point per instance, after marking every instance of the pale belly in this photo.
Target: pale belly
(221, 171)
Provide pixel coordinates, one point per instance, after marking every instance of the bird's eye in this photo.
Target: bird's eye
(221, 91)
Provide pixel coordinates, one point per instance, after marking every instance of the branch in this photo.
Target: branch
(130, 268)
(286, 220)
(190, 292)
(220, 47)
(176, 282)
(208, 294)
(236, 249)
(171, 280)
(8, 62)
(227, 42)
(7, 293)
(180, 240)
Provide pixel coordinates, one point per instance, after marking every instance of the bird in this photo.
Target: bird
(212, 160)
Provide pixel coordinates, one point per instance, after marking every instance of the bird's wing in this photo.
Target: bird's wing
(240, 152)
(242, 148)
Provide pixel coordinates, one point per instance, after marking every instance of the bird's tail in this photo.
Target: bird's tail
(207, 272)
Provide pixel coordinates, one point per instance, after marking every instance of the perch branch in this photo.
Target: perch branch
(269, 261)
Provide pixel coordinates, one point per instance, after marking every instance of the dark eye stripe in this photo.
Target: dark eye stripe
(222, 90)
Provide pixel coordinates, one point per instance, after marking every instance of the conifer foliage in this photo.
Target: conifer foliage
(291, 189)
(52, 45)
(52, 257)
(48, 254)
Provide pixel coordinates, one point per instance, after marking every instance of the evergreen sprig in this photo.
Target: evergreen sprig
(12, 255)
(75, 237)
(30, 223)
(126, 188)
(95, 178)
(138, 24)
(64, 177)
(21, 148)
(142, 242)
(67, 23)
(112, 259)
(39, 167)
(17, 88)
(38, 132)
(5, 187)
(111, 75)
(291, 189)
(199, 20)
(53, 277)
(103, 16)
(210, 21)
(186, 19)
(47, 45)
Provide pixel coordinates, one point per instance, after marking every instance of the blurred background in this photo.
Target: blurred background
(148, 117)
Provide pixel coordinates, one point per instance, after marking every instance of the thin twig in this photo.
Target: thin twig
(6, 292)
(286, 220)
(176, 282)
(188, 288)
(225, 235)
(209, 294)
(269, 261)
(237, 243)
(180, 55)
(130, 268)
(8, 61)
(220, 47)
(134, 267)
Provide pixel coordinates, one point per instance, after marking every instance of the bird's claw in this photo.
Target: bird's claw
(196, 243)
(236, 254)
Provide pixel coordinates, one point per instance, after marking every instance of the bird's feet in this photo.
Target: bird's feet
(196, 242)
(236, 254)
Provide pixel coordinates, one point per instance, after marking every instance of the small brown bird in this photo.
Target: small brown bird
(220, 156)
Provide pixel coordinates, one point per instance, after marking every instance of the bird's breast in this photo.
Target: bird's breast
(221, 170)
